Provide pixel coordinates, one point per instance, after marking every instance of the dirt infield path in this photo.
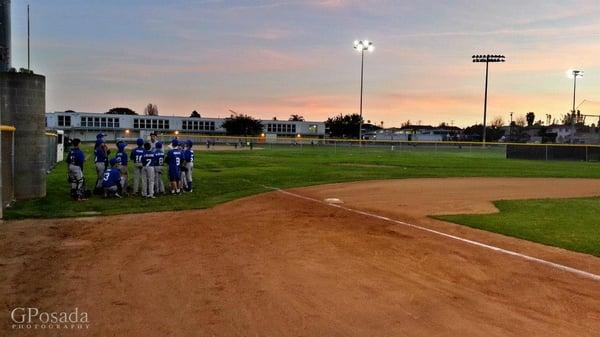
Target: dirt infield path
(280, 265)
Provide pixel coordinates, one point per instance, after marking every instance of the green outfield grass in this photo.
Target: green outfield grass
(227, 175)
(567, 223)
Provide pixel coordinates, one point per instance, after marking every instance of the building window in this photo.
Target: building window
(294, 128)
(83, 122)
(313, 128)
(64, 120)
(117, 123)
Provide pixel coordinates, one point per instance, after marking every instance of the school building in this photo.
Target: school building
(86, 125)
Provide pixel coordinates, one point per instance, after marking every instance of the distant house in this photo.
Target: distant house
(419, 133)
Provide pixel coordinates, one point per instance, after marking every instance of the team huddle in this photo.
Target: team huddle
(147, 159)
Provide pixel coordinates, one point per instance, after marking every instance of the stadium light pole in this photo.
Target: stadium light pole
(487, 59)
(574, 73)
(362, 46)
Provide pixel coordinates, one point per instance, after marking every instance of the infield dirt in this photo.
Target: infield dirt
(279, 265)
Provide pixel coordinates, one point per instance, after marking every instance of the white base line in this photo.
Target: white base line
(582, 273)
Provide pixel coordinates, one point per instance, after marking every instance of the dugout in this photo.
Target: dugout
(553, 152)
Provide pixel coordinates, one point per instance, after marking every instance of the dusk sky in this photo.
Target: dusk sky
(276, 58)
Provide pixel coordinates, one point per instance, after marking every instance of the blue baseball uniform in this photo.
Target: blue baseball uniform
(100, 155)
(148, 158)
(76, 157)
(75, 161)
(174, 159)
(112, 177)
(188, 166)
(136, 157)
(159, 159)
(148, 173)
(121, 158)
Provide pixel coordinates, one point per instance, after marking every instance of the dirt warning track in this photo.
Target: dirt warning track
(280, 264)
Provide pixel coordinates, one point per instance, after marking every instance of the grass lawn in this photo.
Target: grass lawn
(227, 175)
(567, 223)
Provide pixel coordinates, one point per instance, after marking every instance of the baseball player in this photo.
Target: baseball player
(100, 159)
(148, 172)
(159, 159)
(136, 157)
(188, 164)
(121, 158)
(75, 160)
(111, 181)
(173, 159)
(153, 140)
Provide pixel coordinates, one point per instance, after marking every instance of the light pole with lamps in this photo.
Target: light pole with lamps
(574, 74)
(487, 59)
(362, 46)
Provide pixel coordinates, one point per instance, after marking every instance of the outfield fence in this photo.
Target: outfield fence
(574, 152)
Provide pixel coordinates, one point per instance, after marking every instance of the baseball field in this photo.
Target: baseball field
(308, 241)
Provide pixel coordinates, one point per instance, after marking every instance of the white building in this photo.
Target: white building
(86, 125)
(425, 134)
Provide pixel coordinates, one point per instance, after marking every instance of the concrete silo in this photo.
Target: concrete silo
(23, 105)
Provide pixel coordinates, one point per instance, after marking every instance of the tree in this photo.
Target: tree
(195, 114)
(296, 118)
(242, 125)
(344, 126)
(521, 121)
(151, 110)
(475, 132)
(530, 118)
(121, 111)
(497, 122)
(405, 124)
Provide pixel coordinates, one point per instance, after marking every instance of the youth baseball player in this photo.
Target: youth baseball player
(100, 159)
(188, 164)
(159, 159)
(173, 159)
(111, 181)
(75, 161)
(148, 172)
(121, 160)
(136, 157)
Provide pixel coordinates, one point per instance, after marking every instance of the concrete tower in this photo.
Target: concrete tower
(5, 35)
(23, 105)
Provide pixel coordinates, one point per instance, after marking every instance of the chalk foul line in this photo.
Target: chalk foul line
(558, 266)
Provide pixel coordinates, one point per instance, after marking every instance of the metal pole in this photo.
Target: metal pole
(487, 64)
(362, 65)
(574, 90)
(28, 45)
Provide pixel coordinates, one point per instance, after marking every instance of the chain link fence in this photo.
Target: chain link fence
(570, 152)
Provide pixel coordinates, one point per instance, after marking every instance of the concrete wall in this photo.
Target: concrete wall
(22, 105)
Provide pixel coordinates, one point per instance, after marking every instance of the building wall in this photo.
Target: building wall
(22, 105)
(86, 125)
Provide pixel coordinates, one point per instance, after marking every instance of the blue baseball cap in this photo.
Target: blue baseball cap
(113, 162)
(175, 142)
(189, 143)
(139, 142)
(158, 145)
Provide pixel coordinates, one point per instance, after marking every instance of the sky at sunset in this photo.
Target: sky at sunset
(276, 58)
